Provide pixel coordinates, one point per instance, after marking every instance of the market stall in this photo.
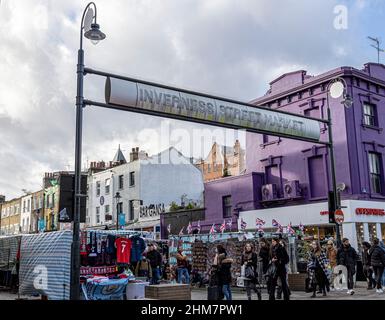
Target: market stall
(9, 261)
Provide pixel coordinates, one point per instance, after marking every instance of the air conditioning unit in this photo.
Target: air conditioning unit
(269, 192)
(291, 189)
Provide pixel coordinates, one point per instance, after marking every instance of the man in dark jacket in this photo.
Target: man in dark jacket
(155, 261)
(348, 257)
(279, 258)
(377, 260)
(367, 267)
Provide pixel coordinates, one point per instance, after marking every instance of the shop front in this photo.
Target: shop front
(363, 220)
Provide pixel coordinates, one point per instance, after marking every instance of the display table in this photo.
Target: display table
(136, 290)
(168, 292)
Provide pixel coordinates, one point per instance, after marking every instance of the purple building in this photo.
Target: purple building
(288, 180)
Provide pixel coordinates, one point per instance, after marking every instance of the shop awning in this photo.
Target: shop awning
(143, 224)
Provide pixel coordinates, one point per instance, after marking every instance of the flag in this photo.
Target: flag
(189, 228)
(259, 222)
(169, 228)
(275, 223)
(222, 228)
(243, 225)
(181, 231)
(212, 229)
(199, 226)
(290, 229)
(260, 229)
(229, 223)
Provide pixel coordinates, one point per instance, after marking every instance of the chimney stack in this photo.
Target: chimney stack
(134, 155)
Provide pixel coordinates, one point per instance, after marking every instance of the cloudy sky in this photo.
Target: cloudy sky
(231, 48)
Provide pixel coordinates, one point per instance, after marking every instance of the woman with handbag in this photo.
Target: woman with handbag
(250, 261)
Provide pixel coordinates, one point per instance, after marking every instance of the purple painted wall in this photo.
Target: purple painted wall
(243, 197)
(280, 160)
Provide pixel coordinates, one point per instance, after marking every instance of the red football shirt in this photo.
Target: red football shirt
(123, 250)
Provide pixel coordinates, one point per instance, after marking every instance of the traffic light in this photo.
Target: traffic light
(331, 206)
(66, 200)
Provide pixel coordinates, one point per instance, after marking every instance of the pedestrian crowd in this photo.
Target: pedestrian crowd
(328, 268)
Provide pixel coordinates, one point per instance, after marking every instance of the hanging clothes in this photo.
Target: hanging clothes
(137, 249)
(123, 250)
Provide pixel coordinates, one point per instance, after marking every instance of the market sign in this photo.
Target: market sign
(370, 211)
(177, 103)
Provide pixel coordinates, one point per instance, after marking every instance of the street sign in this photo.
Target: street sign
(173, 102)
(339, 216)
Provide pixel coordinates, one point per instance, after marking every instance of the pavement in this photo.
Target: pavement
(361, 293)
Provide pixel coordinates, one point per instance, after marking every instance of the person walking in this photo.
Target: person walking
(182, 267)
(331, 255)
(318, 268)
(347, 256)
(224, 271)
(366, 265)
(377, 260)
(279, 259)
(263, 258)
(249, 259)
(155, 258)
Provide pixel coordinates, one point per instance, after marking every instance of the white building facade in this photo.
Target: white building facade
(146, 185)
(26, 221)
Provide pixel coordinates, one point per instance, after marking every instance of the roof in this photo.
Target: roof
(119, 157)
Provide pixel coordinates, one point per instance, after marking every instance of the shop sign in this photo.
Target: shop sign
(370, 211)
(171, 102)
(151, 210)
(324, 213)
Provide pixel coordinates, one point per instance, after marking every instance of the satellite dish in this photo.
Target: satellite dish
(341, 186)
(88, 19)
(337, 89)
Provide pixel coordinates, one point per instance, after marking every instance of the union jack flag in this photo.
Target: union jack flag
(222, 228)
(260, 229)
(212, 229)
(259, 222)
(181, 231)
(199, 226)
(275, 223)
(290, 229)
(243, 224)
(229, 223)
(169, 228)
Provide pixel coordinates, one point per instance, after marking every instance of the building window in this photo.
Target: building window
(107, 186)
(97, 215)
(313, 112)
(131, 210)
(29, 205)
(369, 114)
(107, 209)
(316, 173)
(288, 99)
(47, 202)
(375, 172)
(97, 188)
(53, 200)
(121, 182)
(226, 205)
(132, 178)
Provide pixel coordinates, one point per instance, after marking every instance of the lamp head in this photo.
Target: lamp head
(94, 34)
(348, 101)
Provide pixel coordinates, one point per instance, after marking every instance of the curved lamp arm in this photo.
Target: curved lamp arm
(82, 22)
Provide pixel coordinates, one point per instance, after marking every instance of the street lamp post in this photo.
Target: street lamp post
(93, 33)
(117, 197)
(336, 88)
